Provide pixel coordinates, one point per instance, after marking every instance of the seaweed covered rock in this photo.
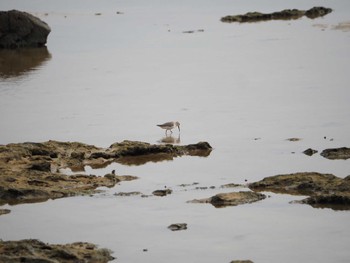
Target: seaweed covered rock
(20, 29)
(32, 250)
(323, 189)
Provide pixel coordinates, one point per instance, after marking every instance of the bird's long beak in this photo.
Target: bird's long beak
(178, 127)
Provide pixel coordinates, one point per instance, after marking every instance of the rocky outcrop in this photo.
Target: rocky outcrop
(286, 14)
(231, 199)
(336, 153)
(32, 250)
(30, 172)
(20, 29)
(324, 190)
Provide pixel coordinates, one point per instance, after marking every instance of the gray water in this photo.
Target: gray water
(244, 88)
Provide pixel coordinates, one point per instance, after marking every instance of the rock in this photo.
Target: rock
(310, 152)
(134, 148)
(32, 250)
(333, 201)
(293, 139)
(192, 31)
(241, 261)
(162, 192)
(178, 226)
(4, 211)
(231, 199)
(286, 14)
(30, 171)
(317, 11)
(127, 193)
(322, 189)
(336, 153)
(231, 185)
(299, 183)
(20, 29)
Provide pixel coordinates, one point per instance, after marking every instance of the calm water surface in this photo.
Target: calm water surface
(244, 88)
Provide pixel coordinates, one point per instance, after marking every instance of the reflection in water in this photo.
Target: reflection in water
(17, 62)
(168, 139)
(141, 160)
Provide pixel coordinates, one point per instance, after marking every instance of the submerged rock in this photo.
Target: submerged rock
(336, 153)
(128, 193)
(20, 29)
(162, 192)
(231, 199)
(286, 14)
(323, 189)
(178, 226)
(32, 250)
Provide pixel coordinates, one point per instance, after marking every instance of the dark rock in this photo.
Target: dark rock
(32, 250)
(287, 14)
(162, 192)
(20, 29)
(41, 166)
(178, 226)
(317, 11)
(336, 153)
(294, 139)
(310, 152)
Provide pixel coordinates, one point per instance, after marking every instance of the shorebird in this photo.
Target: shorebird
(168, 126)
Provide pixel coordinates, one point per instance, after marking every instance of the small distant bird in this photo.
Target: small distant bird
(168, 126)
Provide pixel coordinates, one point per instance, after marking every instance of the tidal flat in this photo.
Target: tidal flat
(261, 94)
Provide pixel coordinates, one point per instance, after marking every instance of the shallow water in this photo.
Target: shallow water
(244, 88)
